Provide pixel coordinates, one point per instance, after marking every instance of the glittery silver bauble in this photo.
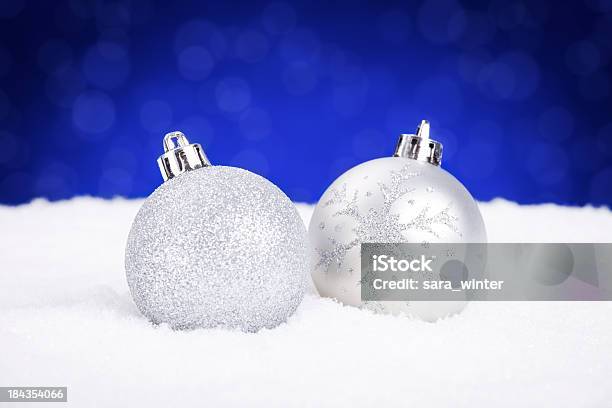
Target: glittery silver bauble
(395, 199)
(216, 246)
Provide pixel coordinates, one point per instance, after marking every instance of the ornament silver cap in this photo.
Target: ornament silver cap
(419, 146)
(180, 156)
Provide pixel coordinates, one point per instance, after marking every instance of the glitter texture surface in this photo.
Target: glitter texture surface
(388, 200)
(217, 246)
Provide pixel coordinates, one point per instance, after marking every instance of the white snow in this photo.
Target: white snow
(67, 319)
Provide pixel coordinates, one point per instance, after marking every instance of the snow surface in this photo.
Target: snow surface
(67, 319)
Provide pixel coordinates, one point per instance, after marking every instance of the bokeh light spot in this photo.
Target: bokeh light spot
(383, 85)
(56, 180)
(600, 186)
(582, 57)
(255, 124)
(141, 11)
(233, 94)
(547, 163)
(556, 124)
(206, 98)
(479, 150)
(497, 81)
(279, 18)
(201, 33)
(457, 26)
(508, 15)
(526, 69)
(602, 6)
(401, 119)
(119, 157)
(11, 8)
(252, 160)
(82, 9)
(331, 59)
(487, 76)
(9, 147)
(514, 75)
(19, 184)
(604, 139)
(487, 132)
(300, 45)
(477, 30)
(394, 26)
(112, 15)
(54, 54)
(198, 129)
(6, 61)
(441, 21)
(115, 181)
(471, 64)
(252, 46)
(449, 142)
(369, 144)
(439, 99)
(341, 165)
(106, 65)
(5, 105)
(64, 85)
(195, 63)
(585, 159)
(349, 98)
(93, 112)
(156, 116)
(117, 36)
(299, 78)
(595, 87)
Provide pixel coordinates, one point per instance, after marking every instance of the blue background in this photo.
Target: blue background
(519, 93)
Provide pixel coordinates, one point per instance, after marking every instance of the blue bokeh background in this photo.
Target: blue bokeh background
(519, 93)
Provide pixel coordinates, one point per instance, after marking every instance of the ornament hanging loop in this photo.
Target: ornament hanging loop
(419, 146)
(170, 138)
(180, 156)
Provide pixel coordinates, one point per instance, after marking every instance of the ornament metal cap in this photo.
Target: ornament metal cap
(180, 156)
(419, 146)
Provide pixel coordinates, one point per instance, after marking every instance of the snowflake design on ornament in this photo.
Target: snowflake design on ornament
(336, 255)
(380, 224)
(423, 222)
(337, 196)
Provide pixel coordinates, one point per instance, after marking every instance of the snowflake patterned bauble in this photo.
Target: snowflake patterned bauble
(406, 198)
(215, 246)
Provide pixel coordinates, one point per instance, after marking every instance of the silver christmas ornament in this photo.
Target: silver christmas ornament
(215, 246)
(405, 198)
